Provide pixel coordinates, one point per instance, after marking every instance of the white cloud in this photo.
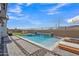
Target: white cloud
(26, 19)
(51, 13)
(53, 10)
(19, 18)
(28, 4)
(12, 17)
(57, 7)
(17, 9)
(74, 20)
(20, 3)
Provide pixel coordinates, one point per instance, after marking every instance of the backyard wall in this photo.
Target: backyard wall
(66, 33)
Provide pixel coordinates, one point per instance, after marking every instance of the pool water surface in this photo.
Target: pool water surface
(43, 39)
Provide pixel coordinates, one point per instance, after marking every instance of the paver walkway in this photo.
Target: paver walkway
(13, 49)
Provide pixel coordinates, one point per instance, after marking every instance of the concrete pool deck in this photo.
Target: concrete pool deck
(25, 48)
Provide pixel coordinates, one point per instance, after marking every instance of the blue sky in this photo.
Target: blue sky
(36, 15)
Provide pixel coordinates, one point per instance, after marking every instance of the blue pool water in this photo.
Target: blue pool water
(42, 39)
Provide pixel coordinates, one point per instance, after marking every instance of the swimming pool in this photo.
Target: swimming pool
(43, 40)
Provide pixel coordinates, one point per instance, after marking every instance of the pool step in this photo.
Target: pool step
(72, 41)
(69, 49)
(63, 52)
(69, 46)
